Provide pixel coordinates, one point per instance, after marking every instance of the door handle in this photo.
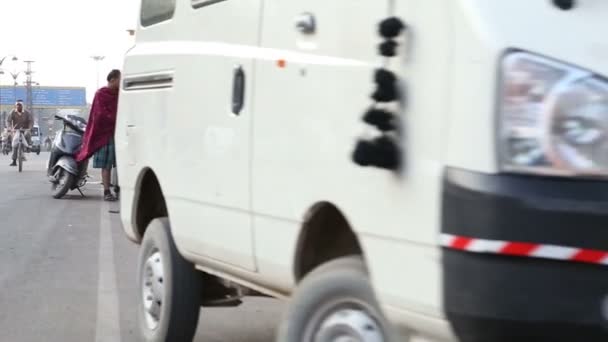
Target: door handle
(306, 23)
(238, 90)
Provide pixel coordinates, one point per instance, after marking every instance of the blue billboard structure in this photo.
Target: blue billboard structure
(45, 97)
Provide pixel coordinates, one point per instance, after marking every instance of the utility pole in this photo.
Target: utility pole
(29, 94)
(31, 87)
(98, 60)
(15, 75)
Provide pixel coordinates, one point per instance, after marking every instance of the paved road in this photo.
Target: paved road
(67, 273)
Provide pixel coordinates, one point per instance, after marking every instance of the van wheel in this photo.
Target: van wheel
(335, 303)
(170, 288)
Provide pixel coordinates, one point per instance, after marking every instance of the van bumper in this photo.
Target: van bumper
(491, 294)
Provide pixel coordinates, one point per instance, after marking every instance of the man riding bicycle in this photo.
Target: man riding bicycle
(19, 119)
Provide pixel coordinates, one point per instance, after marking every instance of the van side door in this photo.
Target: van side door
(210, 129)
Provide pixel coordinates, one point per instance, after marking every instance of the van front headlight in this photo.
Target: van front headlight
(553, 118)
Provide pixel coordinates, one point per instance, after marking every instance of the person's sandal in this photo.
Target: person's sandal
(108, 197)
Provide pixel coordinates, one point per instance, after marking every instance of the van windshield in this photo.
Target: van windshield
(35, 131)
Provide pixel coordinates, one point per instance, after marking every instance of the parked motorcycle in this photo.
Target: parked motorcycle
(63, 171)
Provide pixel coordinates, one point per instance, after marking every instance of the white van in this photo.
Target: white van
(436, 164)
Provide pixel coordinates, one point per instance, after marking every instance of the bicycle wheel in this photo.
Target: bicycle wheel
(20, 156)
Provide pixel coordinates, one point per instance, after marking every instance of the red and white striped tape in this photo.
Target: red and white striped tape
(524, 249)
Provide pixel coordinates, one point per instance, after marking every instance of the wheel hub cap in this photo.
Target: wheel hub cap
(349, 325)
(153, 290)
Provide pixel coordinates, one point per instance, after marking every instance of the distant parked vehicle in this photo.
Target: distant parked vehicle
(36, 140)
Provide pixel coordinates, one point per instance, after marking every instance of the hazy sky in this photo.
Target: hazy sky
(61, 35)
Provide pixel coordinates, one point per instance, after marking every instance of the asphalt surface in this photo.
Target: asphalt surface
(67, 272)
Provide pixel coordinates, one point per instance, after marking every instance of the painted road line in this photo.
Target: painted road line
(108, 318)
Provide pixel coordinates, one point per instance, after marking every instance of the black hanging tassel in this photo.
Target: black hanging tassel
(381, 119)
(385, 94)
(391, 27)
(364, 153)
(388, 48)
(386, 81)
(384, 77)
(381, 152)
(388, 155)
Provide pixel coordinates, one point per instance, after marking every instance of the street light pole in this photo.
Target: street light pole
(5, 57)
(98, 60)
(14, 59)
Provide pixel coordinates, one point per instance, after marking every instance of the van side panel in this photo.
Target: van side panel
(141, 127)
(308, 117)
(209, 144)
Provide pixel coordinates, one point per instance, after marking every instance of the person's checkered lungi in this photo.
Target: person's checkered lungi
(105, 157)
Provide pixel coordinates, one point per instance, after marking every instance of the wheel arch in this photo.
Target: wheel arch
(314, 247)
(149, 201)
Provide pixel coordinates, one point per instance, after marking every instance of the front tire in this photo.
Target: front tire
(170, 288)
(335, 302)
(20, 157)
(64, 181)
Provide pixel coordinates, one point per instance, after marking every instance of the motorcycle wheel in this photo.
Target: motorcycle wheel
(63, 183)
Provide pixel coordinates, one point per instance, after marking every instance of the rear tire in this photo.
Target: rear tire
(335, 301)
(170, 288)
(64, 182)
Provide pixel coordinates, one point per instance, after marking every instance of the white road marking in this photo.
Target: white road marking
(108, 318)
